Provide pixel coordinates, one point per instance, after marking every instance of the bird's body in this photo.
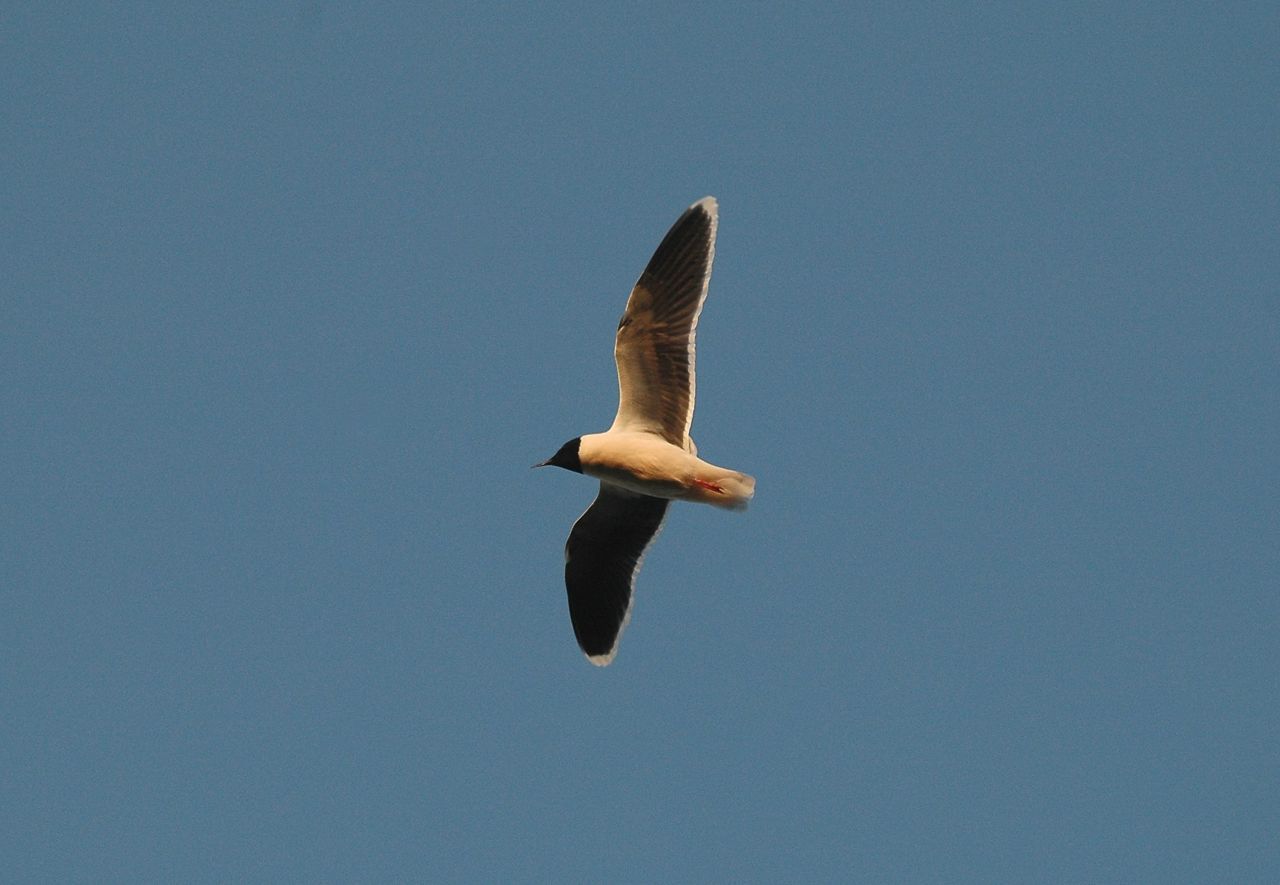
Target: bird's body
(645, 463)
(647, 458)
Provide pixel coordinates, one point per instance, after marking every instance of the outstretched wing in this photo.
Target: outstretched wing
(601, 560)
(655, 344)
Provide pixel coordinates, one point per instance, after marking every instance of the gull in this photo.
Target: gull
(646, 459)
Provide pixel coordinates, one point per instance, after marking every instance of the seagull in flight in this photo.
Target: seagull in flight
(646, 459)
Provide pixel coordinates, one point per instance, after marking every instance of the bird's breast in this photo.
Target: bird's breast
(638, 462)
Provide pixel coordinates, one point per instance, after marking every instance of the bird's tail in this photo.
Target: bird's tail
(725, 488)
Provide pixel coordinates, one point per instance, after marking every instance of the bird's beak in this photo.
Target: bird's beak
(539, 464)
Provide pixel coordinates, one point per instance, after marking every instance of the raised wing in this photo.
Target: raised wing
(601, 560)
(655, 344)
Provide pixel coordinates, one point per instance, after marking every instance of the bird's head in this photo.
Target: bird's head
(566, 457)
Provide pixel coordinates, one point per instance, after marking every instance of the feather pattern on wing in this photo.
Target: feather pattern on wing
(654, 348)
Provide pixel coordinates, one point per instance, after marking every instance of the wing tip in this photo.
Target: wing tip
(708, 205)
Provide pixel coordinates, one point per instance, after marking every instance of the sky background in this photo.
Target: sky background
(293, 295)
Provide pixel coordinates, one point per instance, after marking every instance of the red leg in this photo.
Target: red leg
(709, 486)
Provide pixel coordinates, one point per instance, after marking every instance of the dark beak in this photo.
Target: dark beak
(539, 464)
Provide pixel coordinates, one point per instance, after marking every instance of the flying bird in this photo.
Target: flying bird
(647, 458)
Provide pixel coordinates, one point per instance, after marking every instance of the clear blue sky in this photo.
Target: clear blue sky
(294, 294)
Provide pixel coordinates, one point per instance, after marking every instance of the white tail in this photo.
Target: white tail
(724, 488)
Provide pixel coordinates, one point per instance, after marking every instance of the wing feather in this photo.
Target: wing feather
(654, 348)
(601, 559)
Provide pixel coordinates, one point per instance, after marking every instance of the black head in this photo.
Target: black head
(567, 457)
